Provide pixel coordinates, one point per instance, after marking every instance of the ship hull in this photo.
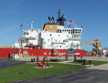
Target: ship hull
(8, 52)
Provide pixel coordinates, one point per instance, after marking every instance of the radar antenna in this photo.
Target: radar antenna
(61, 18)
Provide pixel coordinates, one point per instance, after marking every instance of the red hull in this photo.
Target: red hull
(6, 52)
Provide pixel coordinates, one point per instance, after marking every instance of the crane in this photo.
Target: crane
(96, 44)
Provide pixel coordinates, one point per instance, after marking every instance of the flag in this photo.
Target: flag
(21, 25)
(33, 21)
(70, 21)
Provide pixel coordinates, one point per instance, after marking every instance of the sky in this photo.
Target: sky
(92, 13)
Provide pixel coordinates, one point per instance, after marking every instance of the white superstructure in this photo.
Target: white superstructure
(63, 39)
(30, 37)
(53, 36)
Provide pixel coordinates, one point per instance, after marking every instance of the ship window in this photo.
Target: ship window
(80, 30)
(73, 30)
(31, 38)
(76, 31)
(60, 31)
(74, 36)
(26, 33)
(50, 34)
(59, 35)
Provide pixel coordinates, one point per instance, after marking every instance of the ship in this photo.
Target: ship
(55, 39)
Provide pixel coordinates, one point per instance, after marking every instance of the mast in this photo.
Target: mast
(60, 19)
(32, 23)
(59, 13)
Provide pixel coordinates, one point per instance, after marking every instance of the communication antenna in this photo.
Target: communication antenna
(32, 23)
(59, 13)
(21, 27)
(84, 27)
